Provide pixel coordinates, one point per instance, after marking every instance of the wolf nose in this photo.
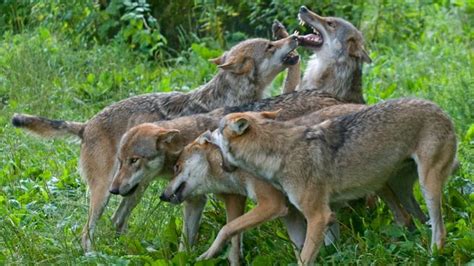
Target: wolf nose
(163, 197)
(303, 9)
(114, 191)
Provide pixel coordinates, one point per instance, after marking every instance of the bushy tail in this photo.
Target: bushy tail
(46, 127)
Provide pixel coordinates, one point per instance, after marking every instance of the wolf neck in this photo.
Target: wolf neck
(262, 154)
(341, 77)
(227, 89)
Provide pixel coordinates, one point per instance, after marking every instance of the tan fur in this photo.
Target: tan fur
(245, 72)
(211, 178)
(47, 128)
(150, 150)
(344, 158)
(216, 180)
(336, 66)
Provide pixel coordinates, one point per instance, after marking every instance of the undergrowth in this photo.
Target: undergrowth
(43, 203)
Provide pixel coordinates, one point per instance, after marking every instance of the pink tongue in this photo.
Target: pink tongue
(310, 39)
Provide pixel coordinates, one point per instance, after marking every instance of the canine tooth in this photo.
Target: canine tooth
(296, 33)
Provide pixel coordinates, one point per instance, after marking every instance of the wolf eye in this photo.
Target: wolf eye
(331, 24)
(133, 160)
(177, 168)
(270, 47)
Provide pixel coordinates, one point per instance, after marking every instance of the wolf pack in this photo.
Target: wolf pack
(300, 156)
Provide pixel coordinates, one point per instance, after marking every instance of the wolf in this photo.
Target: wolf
(292, 104)
(336, 68)
(244, 73)
(151, 149)
(338, 55)
(344, 158)
(200, 170)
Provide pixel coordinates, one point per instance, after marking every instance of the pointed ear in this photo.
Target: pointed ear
(219, 60)
(167, 136)
(239, 125)
(205, 138)
(270, 114)
(356, 49)
(237, 65)
(365, 56)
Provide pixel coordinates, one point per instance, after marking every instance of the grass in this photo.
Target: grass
(43, 203)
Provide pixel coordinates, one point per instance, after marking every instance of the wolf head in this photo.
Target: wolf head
(196, 170)
(332, 36)
(260, 58)
(142, 155)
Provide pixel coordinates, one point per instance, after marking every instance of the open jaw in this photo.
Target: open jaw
(314, 39)
(177, 196)
(130, 191)
(291, 58)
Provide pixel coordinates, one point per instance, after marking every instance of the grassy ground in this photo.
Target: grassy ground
(43, 203)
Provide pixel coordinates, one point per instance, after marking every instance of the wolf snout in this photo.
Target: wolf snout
(164, 197)
(114, 191)
(304, 9)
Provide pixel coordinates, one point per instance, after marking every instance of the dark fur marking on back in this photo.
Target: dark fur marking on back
(269, 103)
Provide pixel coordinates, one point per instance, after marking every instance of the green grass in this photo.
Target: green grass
(43, 203)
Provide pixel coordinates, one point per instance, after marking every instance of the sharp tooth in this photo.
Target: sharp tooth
(296, 33)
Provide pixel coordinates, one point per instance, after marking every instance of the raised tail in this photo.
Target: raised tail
(48, 128)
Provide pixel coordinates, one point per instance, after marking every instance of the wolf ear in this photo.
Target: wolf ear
(205, 138)
(270, 114)
(365, 56)
(237, 65)
(167, 136)
(219, 60)
(356, 49)
(239, 125)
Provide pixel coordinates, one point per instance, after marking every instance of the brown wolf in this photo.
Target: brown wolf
(245, 71)
(344, 158)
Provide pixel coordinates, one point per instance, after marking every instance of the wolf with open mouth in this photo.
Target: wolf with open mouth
(339, 53)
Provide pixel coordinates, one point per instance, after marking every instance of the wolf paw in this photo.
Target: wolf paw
(206, 255)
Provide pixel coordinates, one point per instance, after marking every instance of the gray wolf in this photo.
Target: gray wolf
(344, 158)
(152, 149)
(336, 68)
(149, 150)
(339, 52)
(244, 73)
(199, 170)
(292, 104)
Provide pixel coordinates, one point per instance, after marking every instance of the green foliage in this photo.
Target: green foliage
(70, 59)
